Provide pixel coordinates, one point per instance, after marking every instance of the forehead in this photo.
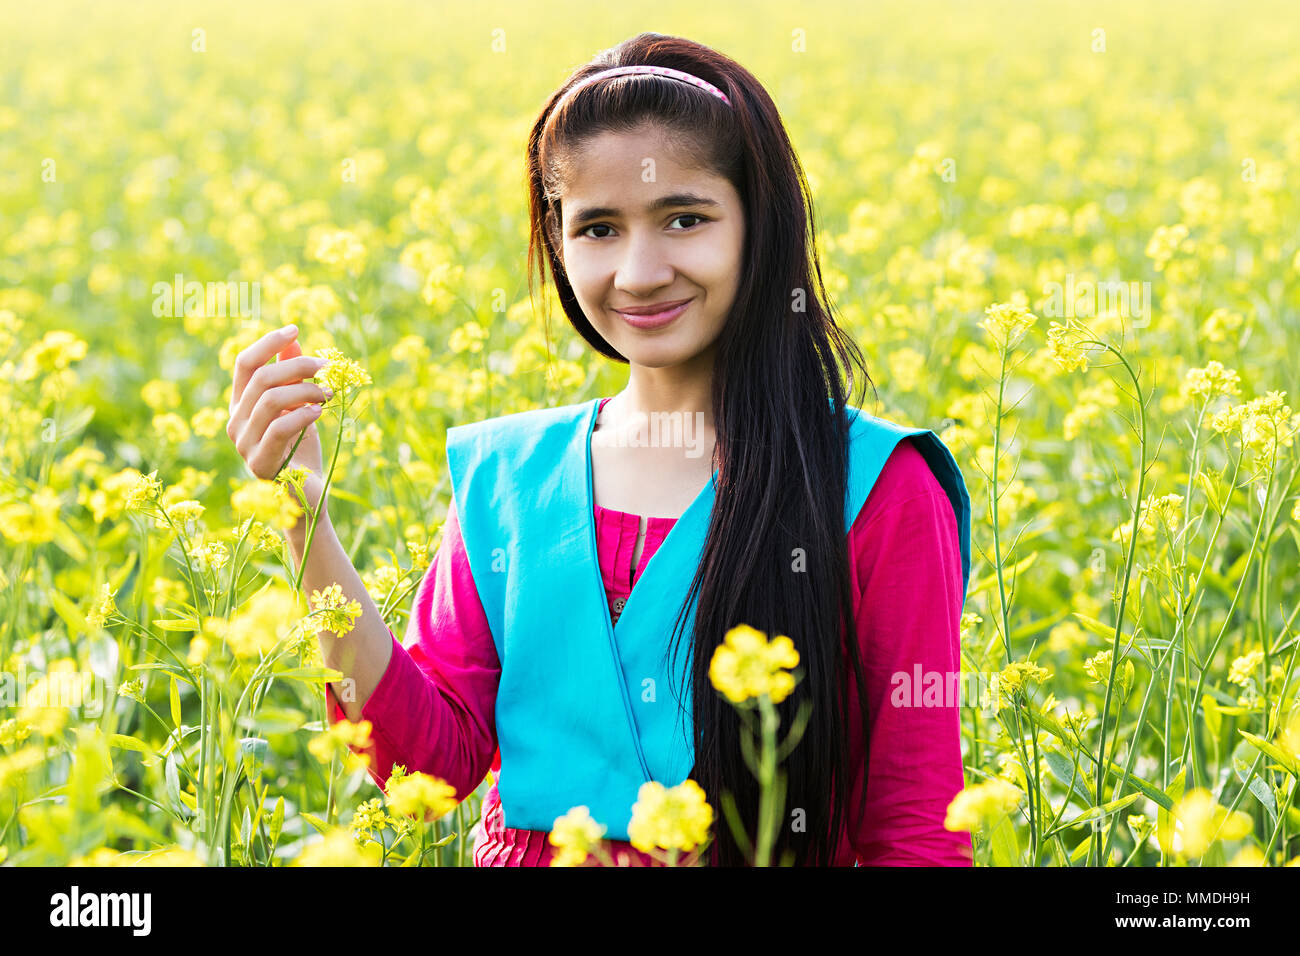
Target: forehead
(624, 168)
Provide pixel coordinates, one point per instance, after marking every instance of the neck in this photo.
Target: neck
(685, 389)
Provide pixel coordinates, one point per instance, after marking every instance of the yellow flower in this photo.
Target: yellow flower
(417, 794)
(209, 422)
(340, 249)
(142, 491)
(312, 306)
(670, 818)
(336, 612)
(905, 367)
(468, 338)
(267, 617)
(1097, 668)
(102, 608)
(368, 820)
(34, 521)
(1007, 322)
(1065, 348)
(981, 802)
(748, 665)
(1219, 323)
(1210, 381)
(340, 372)
(266, 501)
(338, 848)
(1243, 668)
(339, 738)
(574, 835)
(1166, 241)
(54, 352)
(1203, 821)
(171, 428)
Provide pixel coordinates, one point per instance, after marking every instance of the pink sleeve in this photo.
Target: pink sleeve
(907, 566)
(434, 708)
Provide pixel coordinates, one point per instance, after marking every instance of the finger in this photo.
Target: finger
(269, 376)
(280, 437)
(276, 401)
(255, 356)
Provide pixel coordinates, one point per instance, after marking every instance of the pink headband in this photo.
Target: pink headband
(654, 71)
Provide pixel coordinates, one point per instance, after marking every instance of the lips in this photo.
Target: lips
(653, 316)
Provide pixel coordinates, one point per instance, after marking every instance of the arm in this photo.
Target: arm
(433, 708)
(908, 568)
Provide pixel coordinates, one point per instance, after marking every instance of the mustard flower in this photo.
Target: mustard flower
(574, 835)
(981, 802)
(1210, 381)
(1007, 322)
(1203, 821)
(337, 613)
(748, 665)
(670, 818)
(266, 501)
(340, 372)
(419, 793)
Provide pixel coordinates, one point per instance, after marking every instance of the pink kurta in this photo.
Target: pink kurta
(433, 710)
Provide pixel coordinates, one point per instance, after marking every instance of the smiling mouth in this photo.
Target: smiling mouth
(655, 319)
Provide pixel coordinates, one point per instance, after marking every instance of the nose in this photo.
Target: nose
(643, 265)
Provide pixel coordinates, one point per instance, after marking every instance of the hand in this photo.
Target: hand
(271, 405)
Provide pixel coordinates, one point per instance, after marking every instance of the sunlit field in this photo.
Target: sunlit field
(1067, 241)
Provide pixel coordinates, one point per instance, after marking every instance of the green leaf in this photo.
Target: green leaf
(174, 698)
(1079, 851)
(126, 742)
(1062, 768)
(69, 611)
(177, 624)
(312, 675)
(317, 822)
(1264, 794)
(277, 820)
(1004, 844)
(1288, 762)
(1165, 816)
(1096, 813)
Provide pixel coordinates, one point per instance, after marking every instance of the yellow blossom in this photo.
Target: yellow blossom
(266, 501)
(1202, 821)
(418, 794)
(670, 818)
(981, 802)
(574, 835)
(748, 665)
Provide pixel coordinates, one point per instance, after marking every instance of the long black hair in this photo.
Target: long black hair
(776, 555)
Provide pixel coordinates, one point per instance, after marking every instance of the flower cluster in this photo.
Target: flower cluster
(747, 665)
(671, 818)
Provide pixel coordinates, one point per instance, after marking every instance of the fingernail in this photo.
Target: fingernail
(289, 330)
(329, 392)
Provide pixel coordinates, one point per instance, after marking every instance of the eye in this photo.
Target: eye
(685, 215)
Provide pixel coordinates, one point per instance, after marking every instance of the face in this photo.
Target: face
(639, 229)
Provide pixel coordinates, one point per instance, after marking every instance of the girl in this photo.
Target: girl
(669, 205)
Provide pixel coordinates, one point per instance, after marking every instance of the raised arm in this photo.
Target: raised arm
(433, 709)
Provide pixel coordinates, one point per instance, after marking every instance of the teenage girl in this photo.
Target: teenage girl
(673, 215)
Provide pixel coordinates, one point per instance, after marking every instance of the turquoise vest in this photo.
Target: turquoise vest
(586, 710)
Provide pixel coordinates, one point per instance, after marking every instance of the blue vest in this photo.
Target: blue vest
(588, 711)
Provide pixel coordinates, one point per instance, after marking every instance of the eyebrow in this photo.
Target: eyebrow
(670, 201)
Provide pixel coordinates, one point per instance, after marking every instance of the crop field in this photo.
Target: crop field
(1067, 240)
